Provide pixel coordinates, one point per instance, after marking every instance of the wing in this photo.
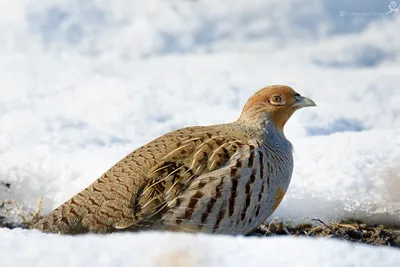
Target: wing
(223, 200)
(166, 182)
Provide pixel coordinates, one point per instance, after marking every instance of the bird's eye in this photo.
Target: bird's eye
(276, 100)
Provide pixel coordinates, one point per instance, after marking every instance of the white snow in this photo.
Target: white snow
(83, 83)
(180, 250)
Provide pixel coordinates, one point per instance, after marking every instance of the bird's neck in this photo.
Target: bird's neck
(264, 128)
(274, 137)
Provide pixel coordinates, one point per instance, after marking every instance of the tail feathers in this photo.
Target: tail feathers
(62, 220)
(89, 212)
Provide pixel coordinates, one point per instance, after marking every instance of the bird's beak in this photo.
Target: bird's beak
(305, 102)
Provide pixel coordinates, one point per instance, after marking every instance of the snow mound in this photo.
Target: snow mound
(167, 249)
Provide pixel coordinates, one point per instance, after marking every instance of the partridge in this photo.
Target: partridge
(225, 178)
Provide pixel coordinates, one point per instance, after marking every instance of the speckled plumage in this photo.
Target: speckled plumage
(225, 178)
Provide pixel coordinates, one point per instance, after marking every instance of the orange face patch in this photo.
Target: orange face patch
(278, 198)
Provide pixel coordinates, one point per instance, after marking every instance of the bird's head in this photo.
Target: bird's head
(277, 103)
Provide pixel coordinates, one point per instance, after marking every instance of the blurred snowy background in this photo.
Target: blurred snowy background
(84, 82)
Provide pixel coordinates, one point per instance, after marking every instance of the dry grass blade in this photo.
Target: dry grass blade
(353, 231)
(26, 218)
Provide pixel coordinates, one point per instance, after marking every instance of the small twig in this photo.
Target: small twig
(286, 230)
(32, 218)
(20, 213)
(270, 224)
(314, 229)
(36, 213)
(321, 222)
(347, 226)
